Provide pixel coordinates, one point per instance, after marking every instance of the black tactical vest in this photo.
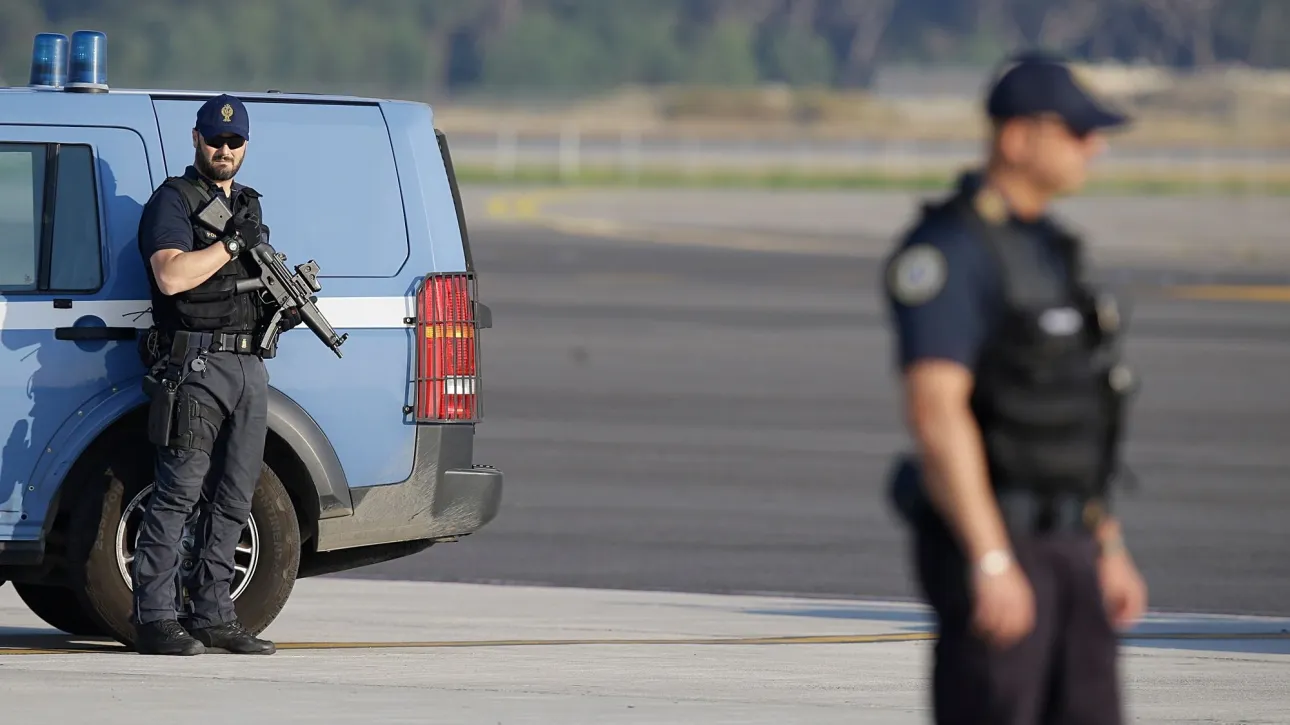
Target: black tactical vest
(1050, 384)
(213, 305)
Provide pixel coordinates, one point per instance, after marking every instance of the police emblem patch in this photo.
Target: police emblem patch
(226, 112)
(917, 275)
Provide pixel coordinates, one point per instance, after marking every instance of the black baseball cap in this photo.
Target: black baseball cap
(223, 114)
(1040, 83)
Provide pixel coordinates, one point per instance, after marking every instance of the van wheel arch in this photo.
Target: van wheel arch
(79, 506)
(123, 472)
(130, 429)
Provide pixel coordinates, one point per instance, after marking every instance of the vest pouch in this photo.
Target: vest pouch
(209, 306)
(1049, 332)
(1044, 412)
(1044, 466)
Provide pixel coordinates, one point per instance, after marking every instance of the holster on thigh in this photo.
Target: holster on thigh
(161, 411)
(196, 424)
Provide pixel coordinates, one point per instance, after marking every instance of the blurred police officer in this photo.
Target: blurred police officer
(203, 346)
(1013, 392)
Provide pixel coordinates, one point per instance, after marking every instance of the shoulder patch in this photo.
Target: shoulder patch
(917, 274)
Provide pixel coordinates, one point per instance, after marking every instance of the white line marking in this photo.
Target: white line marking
(341, 312)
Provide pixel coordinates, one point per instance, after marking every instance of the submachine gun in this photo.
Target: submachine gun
(279, 288)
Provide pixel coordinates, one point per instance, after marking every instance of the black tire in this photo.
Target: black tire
(59, 607)
(105, 593)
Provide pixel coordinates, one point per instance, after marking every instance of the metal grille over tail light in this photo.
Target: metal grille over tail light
(447, 334)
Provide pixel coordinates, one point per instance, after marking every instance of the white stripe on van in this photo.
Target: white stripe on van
(341, 312)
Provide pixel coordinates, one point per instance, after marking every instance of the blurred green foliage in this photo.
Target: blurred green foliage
(554, 47)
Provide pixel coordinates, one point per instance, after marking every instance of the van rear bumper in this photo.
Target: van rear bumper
(447, 495)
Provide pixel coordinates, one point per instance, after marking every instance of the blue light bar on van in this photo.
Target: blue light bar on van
(49, 61)
(87, 71)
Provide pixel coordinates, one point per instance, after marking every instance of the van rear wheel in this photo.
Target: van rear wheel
(105, 524)
(59, 607)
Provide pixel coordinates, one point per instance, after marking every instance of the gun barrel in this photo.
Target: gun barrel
(316, 322)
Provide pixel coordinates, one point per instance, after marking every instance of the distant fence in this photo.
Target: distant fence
(573, 154)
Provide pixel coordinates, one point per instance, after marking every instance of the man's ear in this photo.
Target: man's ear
(1011, 140)
(196, 139)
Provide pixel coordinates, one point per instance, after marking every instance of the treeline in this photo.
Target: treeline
(556, 46)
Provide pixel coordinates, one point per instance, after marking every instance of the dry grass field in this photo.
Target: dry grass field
(1221, 108)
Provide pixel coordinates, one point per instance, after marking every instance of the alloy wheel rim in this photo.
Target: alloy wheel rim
(245, 558)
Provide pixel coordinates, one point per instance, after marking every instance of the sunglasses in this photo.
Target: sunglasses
(1079, 134)
(233, 142)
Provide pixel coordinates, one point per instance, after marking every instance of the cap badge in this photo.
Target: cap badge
(226, 112)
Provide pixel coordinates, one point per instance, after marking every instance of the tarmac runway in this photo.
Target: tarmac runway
(715, 420)
(452, 654)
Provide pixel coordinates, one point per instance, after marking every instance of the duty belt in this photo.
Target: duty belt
(240, 343)
(1031, 513)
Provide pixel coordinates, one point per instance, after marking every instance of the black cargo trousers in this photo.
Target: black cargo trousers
(206, 477)
(1064, 672)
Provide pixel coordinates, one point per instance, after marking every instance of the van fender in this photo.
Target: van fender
(286, 419)
(70, 442)
(301, 434)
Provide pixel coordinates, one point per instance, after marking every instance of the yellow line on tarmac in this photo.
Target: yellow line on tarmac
(521, 206)
(823, 639)
(1233, 293)
(530, 208)
(448, 644)
(692, 642)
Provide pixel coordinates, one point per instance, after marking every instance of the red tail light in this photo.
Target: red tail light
(447, 349)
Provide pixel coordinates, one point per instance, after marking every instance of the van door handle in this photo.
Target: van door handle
(95, 333)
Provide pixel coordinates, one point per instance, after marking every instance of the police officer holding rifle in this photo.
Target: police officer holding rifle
(220, 298)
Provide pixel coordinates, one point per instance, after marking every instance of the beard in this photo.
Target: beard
(221, 167)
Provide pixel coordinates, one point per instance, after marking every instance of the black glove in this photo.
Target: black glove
(290, 318)
(248, 229)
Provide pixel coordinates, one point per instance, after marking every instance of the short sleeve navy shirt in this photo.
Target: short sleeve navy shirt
(165, 223)
(942, 291)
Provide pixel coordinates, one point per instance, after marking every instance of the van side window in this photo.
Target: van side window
(49, 219)
(22, 207)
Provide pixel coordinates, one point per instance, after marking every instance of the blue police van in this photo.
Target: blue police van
(369, 454)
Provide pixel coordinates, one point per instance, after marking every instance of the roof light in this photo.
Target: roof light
(49, 61)
(87, 71)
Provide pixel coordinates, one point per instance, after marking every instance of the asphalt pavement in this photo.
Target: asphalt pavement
(462, 654)
(714, 420)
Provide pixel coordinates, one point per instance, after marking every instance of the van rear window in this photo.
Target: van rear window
(328, 176)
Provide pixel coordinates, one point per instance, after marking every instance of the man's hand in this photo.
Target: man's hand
(957, 484)
(1123, 589)
(1003, 606)
(290, 318)
(248, 229)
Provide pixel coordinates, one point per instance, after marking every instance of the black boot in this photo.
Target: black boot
(165, 637)
(234, 638)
